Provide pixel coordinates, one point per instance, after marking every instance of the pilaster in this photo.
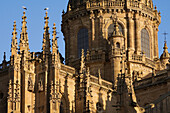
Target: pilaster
(131, 32)
(137, 34)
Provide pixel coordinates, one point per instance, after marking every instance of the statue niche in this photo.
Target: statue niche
(40, 85)
(30, 84)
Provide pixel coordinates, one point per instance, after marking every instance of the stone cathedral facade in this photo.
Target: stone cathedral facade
(112, 63)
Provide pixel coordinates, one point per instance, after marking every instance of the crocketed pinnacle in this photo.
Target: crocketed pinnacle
(165, 47)
(82, 66)
(54, 40)
(165, 53)
(116, 31)
(46, 36)
(14, 44)
(55, 51)
(24, 45)
(46, 21)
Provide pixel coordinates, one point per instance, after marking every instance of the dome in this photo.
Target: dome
(165, 54)
(76, 3)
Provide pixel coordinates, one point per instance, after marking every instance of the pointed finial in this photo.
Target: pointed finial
(46, 37)
(24, 45)
(116, 26)
(155, 7)
(46, 19)
(24, 17)
(14, 33)
(14, 44)
(54, 29)
(4, 56)
(54, 40)
(14, 25)
(165, 47)
(63, 12)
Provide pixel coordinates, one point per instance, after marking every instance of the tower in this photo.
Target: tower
(93, 22)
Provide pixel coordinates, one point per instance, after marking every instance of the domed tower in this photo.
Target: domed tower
(88, 24)
(165, 56)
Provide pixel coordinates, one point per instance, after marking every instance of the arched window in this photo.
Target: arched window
(118, 45)
(145, 45)
(111, 29)
(82, 41)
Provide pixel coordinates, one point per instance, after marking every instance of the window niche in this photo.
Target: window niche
(82, 41)
(30, 84)
(117, 45)
(40, 85)
(145, 42)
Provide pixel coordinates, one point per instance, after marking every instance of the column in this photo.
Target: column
(92, 17)
(137, 34)
(131, 32)
(156, 42)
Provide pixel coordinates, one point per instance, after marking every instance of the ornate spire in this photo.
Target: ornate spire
(56, 55)
(14, 44)
(82, 67)
(165, 47)
(24, 45)
(54, 40)
(165, 55)
(4, 57)
(46, 21)
(165, 44)
(46, 36)
(116, 31)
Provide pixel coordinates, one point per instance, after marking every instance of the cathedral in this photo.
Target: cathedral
(111, 63)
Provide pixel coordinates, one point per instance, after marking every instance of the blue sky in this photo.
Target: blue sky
(12, 10)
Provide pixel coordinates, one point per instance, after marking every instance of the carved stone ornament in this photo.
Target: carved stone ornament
(30, 84)
(40, 85)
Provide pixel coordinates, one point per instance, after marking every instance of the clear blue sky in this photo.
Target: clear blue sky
(12, 10)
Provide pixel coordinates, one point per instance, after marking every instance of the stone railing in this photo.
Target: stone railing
(146, 8)
(95, 80)
(107, 84)
(103, 4)
(149, 62)
(136, 57)
(67, 69)
(135, 4)
(94, 57)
